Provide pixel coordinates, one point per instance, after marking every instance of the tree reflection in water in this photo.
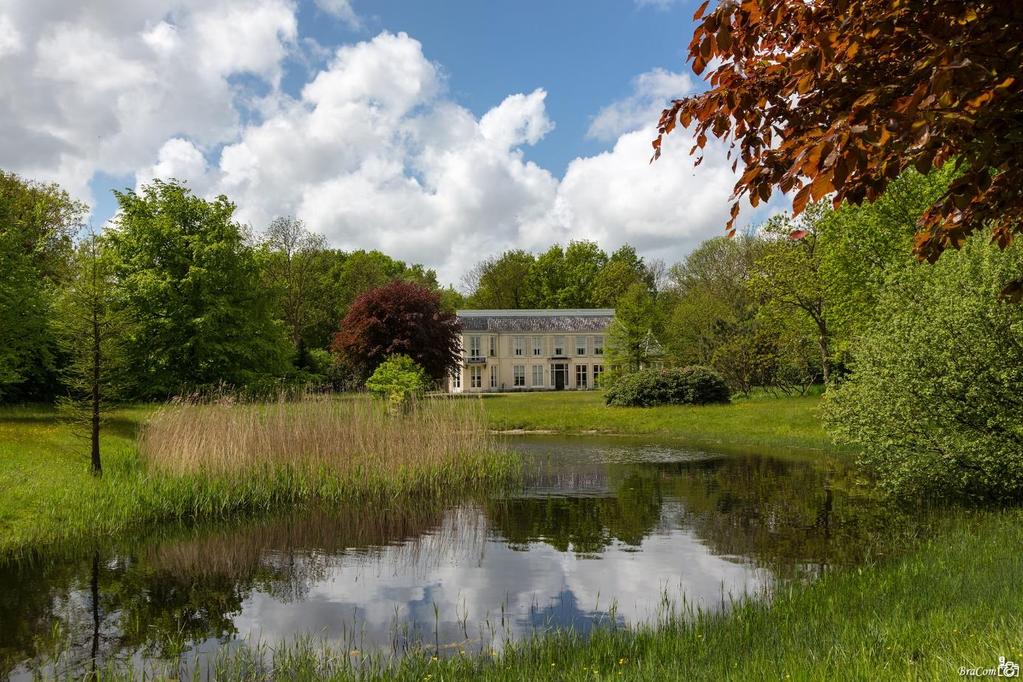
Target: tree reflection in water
(671, 511)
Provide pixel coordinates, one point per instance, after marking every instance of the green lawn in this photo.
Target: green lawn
(760, 422)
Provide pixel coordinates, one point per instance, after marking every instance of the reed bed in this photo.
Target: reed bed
(348, 442)
(208, 459)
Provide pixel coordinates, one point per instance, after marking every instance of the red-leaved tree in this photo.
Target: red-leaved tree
(399, 317)
(838, 97)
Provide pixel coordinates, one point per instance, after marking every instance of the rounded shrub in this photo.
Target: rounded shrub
(686, 386)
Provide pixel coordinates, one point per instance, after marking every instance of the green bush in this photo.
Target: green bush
(687, 386)
(398, 379)
(934, 401)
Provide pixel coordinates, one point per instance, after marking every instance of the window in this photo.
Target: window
(456, 377)
(559, 345)
(474, 347)
(580, 345)
(598, 345)
(537, 375)
(476, 376)
(519, 375)
(493, 346)
(519, 345)
(537, 345)
(598, 370)
(493, 376)
(580, 376)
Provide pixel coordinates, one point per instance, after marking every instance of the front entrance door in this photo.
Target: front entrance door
(560, 371)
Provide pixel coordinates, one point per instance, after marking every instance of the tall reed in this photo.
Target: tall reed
(343, 438)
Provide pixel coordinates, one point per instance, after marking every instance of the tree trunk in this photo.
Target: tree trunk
(97, 467)
(825, 358)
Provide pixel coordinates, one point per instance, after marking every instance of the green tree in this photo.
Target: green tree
(711, 299)
(501, 282)
(37, 224)
(933, 402)
(91, 332)
(866, 245)
(547, 279)
(294, 268)
(788, 275)
(191, 285)
(623, 269)
(632, 343)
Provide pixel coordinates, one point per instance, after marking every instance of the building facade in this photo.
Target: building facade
(531, 350)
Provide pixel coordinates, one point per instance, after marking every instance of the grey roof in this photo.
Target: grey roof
(547, 320)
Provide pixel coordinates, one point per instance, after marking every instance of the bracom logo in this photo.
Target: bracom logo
(1005, 668)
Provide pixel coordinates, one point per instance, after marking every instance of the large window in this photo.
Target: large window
(537, 375)
(580, 376)
(598, 345)
(493, 376)
(456, 377)
(580, 345)
(519, 375)
(598, 370)
(537, 345)
(519, 345)
(559, 345)
(476, 376)
(475, 347)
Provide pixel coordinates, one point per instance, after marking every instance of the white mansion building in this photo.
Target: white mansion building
(531, 350)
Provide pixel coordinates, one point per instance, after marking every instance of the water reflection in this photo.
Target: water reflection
(600, 530)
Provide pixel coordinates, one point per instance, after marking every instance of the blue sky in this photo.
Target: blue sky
(437, 132)
(584, 54)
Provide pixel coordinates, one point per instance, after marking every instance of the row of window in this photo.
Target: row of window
(582, 376)
(537, 376)
(583, 344)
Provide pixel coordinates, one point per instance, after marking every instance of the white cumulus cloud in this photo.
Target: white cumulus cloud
(372, 151)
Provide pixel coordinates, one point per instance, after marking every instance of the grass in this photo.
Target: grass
(952, 602)
(215, 461)
(760, 422)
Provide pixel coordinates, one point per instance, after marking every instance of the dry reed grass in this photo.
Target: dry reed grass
(336, 435)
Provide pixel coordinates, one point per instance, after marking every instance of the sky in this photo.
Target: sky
(440, 132)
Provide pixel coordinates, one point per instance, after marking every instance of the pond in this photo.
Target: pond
(603, 531)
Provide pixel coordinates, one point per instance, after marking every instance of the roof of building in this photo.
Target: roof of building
(546, 320)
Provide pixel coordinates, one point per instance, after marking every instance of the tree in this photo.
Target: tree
(842, 96)
(933, 402)
(296, 271)
(865, 246)
(788, 275)
(399, 318)
(191, 284)
(397, 379)
(631, 342)
(623, 269)
(37, 224)
(712, 301)
(501, 282)
(91, 329)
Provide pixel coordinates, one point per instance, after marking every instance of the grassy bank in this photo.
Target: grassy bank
(953, 601)
(213, 461)
(761, 422)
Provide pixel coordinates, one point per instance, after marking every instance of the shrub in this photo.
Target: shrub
(687, 386)
(934, 401)
(398, 379)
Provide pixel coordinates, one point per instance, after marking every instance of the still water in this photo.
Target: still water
(602, 532)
